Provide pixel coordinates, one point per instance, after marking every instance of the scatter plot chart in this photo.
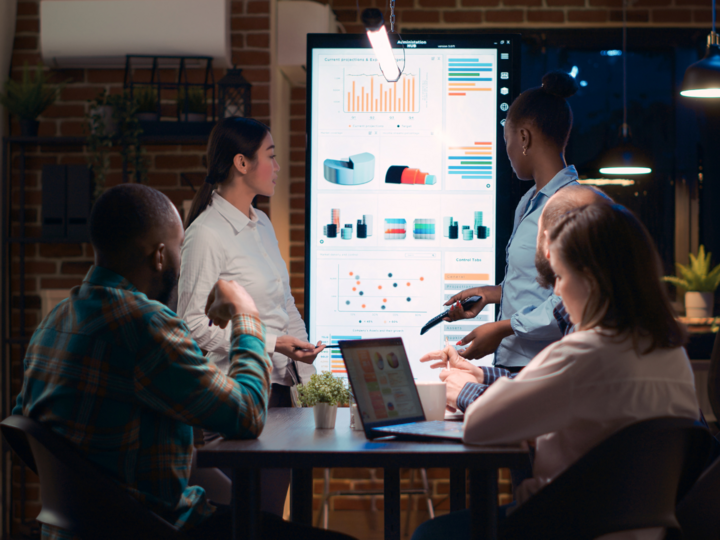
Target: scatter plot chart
(391, 286)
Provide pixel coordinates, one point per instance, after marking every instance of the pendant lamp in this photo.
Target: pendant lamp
(625, 158)
(702, 79)
(374, 23)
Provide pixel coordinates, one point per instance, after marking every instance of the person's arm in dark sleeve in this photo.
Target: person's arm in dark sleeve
(472, 391)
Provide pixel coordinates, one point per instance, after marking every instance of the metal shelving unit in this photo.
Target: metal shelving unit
(19, 336)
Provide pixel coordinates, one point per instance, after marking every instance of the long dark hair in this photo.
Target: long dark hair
(230, 137)
(612, 248)
(546, 106)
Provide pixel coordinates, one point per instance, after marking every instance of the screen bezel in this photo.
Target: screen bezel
(380, 342)
(503, 194)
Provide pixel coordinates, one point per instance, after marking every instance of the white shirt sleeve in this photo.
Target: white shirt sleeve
(536, 402)
(297, 325)
(203, 258)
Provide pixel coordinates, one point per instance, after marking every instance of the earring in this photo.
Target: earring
(524, 150)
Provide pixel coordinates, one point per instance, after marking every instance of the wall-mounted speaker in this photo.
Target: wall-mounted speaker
(66, 191)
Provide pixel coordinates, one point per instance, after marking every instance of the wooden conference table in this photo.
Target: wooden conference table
(291, 441)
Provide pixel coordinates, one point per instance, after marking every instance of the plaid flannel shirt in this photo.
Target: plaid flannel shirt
(120, 377)
(471, 391)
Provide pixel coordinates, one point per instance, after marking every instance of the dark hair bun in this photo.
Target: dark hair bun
(560, 84)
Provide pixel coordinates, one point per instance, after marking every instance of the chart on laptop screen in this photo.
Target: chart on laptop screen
(402, 186)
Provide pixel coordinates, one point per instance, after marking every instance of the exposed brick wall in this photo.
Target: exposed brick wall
(535, 13)
(371, 480)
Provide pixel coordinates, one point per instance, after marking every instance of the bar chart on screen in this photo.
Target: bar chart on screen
(466, 76)
(370, 93)
(473, 161)
(336, 363)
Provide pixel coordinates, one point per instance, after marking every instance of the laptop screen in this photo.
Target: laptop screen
(382, 381)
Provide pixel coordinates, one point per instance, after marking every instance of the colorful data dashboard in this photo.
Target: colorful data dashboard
(405, 181)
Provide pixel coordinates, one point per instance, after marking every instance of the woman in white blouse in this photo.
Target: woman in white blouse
(226, 238)
(624, 364)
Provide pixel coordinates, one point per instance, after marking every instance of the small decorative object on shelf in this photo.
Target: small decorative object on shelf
(191, 104)
(147, 104)
(324, 393)
(66, 192)
(234, 95)
(700, 283)
(28, 98)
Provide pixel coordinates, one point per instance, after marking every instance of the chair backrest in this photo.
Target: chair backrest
(632, 480)
(76, 495)
(699, 512)
(714, 378)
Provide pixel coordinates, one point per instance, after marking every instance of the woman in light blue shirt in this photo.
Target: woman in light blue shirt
(536, 134)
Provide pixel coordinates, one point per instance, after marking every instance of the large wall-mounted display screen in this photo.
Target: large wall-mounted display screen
(405, 181)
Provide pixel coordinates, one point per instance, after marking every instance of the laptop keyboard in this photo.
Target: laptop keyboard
(433, 426)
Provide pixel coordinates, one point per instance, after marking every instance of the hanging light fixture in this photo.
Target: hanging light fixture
(702, 79)
(625, 158)
(374, 23)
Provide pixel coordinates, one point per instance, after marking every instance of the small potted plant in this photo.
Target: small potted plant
(700, 283)
(112, 121)
(28, 98)
(324, 393)
(146, 104)
(191, 104)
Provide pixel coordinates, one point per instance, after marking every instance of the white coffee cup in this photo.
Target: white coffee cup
(433, 398)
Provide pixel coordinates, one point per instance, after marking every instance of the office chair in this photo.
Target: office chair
(713, 382)
(76, 495)
(632, 480)
(699, 512)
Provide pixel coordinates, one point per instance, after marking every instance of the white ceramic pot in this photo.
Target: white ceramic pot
(325, 415)
(699, 304)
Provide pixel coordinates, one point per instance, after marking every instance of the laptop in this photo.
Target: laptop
(385, 391)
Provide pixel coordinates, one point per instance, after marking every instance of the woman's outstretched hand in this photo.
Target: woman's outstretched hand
(297, 349)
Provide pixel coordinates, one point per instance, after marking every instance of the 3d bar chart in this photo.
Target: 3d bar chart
(402, 174)
(358, 170)
(395, 228)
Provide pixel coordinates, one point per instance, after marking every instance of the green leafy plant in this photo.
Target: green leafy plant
(196, 102)
(127, 137)
(146, 100)
(28, 98)
(697, 276)
(323, 388)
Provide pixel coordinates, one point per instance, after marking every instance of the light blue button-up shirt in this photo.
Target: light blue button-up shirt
(528, 305)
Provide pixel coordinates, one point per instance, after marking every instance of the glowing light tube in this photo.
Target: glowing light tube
(383, 51)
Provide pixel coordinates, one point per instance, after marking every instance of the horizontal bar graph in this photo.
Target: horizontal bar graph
(471, 162)
(337, 365)
(373, 94)
(464, 74)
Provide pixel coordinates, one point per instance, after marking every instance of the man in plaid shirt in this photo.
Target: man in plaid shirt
(116, 373)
